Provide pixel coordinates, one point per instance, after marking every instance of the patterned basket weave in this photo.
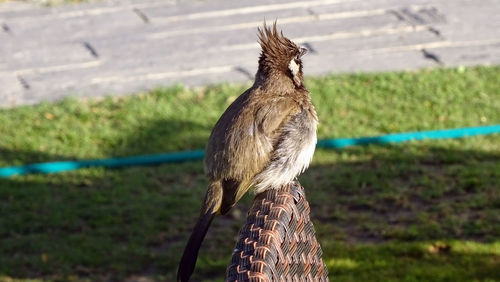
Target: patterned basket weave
(277, 242)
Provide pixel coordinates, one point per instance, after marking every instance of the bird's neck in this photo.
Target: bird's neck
(273, 80)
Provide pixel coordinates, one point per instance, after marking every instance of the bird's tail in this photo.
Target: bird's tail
(210, 207)
(188, 261)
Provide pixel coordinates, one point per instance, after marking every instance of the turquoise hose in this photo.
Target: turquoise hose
(409, 136)
(52, 167)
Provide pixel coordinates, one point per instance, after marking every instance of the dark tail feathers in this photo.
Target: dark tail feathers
(188, 261)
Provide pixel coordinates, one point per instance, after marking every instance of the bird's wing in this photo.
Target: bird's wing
(253, 144)
(271, 116)
(259, 132)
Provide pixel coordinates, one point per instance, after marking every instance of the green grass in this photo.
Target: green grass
(416, 211)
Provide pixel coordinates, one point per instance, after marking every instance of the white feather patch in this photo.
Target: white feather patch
(287, 164)
(294, 67)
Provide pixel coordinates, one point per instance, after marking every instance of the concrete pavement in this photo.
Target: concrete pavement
(121, 47)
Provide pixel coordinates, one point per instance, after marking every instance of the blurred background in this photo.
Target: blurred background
(114, 47)
(100, 79)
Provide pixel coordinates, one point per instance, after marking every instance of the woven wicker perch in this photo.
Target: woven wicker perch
(278, 240)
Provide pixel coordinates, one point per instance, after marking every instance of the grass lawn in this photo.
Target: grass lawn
(418, 211)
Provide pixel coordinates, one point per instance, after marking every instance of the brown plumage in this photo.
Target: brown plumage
(264, 139)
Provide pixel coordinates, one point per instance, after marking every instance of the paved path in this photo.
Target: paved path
(113, 48)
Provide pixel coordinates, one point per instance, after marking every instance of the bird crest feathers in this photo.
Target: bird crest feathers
(274, 45)
(279, 53)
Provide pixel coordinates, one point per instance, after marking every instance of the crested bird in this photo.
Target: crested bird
(264, 139)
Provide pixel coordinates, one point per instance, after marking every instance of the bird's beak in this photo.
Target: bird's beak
(302, 51)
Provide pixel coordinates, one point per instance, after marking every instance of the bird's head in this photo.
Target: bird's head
(280, 56)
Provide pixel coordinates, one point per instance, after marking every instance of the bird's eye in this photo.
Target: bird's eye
(301, 52)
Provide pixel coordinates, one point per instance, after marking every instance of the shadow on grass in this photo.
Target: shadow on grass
(149, 137)
(160, 136)
(21, 157)
(408, 192)
(376, 210)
